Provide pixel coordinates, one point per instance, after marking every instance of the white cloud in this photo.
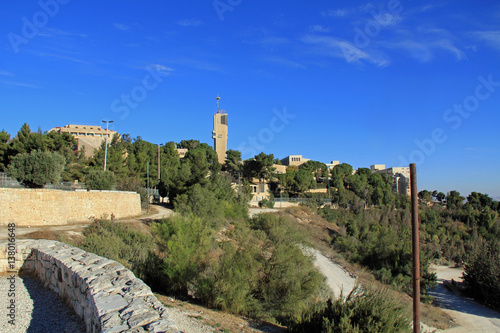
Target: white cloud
(387, 19)
(319, 28)
(335, 13)
(121, 26)
(491, 37)
(56, 33)
(17, 84)
(339, 48)
(5, 73)
(189, 23)
(160, 68)
(285, 62)
(416, 50)
(447, 45)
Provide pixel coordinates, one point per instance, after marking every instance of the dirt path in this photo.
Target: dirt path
(337, 278)
(469, 315)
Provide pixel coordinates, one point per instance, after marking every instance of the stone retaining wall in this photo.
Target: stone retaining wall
(103, 292)
(55, 207)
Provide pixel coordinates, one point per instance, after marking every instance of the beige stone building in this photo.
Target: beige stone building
(88, 136)
(294, 160)
(332, 164)
(279, 168)
(219, 133)
(400, 175)
(182, 152)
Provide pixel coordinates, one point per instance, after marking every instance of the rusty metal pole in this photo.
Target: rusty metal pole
(415, 248)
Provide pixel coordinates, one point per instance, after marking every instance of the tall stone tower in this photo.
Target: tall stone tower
(219, 134)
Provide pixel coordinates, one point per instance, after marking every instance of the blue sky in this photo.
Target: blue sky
(363, 82)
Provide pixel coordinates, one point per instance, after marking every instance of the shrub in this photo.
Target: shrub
(134, 184)
(98, 179)
(37, 168)
(362, 311)
(268, 203)
(482, 272)
(117, 242)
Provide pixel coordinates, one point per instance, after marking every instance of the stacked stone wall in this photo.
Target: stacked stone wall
(106, 295)
(30, 207)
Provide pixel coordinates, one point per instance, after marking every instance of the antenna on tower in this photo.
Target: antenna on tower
(217, 98)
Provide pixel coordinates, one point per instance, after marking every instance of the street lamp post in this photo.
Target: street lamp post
(159, 174)
(106, 149)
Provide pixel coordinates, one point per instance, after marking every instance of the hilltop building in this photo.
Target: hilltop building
(89, 137)
(294, 160)
(181, 151)
(219, 134)
(400, 176)
(332, 164)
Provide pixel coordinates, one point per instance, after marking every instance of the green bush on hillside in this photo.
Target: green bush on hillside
(369, 311)
(36, 169)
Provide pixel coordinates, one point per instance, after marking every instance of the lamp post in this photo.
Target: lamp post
(106, 149)
(159, 174)
(159, 165)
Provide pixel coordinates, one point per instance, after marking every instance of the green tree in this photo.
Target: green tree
(4, 140)
(303, 180)
(189, 144)
(98, 179)
(234, 164)
(260, 166)
(37, 168)
(318, 169)
(340, 172)
(482, 272)
(454, 200)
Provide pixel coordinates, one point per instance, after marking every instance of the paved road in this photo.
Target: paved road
(471, 316)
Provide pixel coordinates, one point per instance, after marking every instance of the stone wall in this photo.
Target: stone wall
(106, 295)
(55, 207)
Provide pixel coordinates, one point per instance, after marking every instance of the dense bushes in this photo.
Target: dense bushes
(117, 242)
(254, 269)
(98, 179)
(482, 272)
(361, 311)
(379, 239)
(37, 168)
(250, 267)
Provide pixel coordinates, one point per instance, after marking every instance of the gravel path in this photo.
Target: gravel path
(36, 309)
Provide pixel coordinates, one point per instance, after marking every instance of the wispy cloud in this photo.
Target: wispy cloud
(482, 149)
(447, 45)
(319, 28)
(57, 33)
(416, 50)
(17, 84)
(335, 13)
(189, 23)
(6, 73)
(120, 26)
(423, 43)
(160, 68)
(285, 62)
(386, 19)
(491, 37)
(62, 57)
(338, 48)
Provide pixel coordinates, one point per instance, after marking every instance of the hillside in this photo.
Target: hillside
(318, 232)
